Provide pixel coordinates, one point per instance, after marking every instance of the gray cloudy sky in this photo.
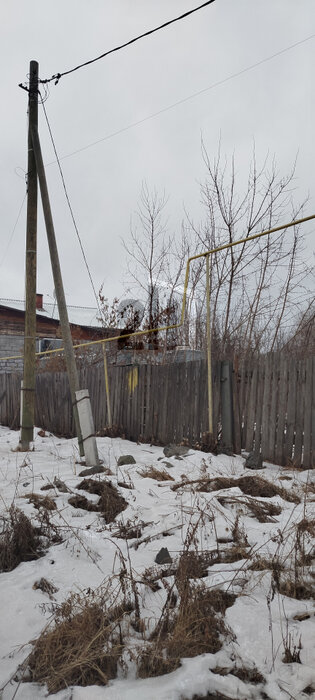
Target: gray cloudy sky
(272, 105)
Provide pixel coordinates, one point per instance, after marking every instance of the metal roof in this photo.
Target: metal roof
(78, 315)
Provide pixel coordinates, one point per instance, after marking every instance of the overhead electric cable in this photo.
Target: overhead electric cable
(13, 231)
(186, 99)
(56, 77)
(70, 207)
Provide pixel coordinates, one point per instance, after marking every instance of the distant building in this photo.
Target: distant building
(84, 323)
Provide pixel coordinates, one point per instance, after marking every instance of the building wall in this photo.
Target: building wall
(11, 345)
(12, 335)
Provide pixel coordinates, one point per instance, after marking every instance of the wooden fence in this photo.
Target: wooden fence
(273, 404)
(274, 401)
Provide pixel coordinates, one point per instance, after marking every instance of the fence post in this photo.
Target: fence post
(227, 417)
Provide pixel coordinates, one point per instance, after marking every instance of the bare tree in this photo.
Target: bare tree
(258, 284)
(155, 262)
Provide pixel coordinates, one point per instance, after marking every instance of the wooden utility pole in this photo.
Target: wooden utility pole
(28, 387)
(60, 295)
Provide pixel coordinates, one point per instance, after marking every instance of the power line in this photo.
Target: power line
(13, 231)
(186, 99)
(70, 207)
(56, 77)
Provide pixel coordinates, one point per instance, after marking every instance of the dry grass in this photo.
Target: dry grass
(110, 501)
(263, 511)
(296, 587)
(157, 474)
(45, 586)
(247, 675)
(128, 530)
(84, 646)
(250, 485)
(264, 564)
(209, 696)
(19, 540)
(41, 501)
(307, 525)
(195, 627)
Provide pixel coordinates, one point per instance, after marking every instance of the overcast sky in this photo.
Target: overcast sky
(272, 105)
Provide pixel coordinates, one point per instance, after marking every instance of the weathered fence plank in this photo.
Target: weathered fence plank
(299, 419)
(281, 412)
(308, 413)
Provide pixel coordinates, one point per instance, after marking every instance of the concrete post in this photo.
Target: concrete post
(87, 427)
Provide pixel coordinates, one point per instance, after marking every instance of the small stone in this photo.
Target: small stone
(254, 460)
(92, 470)
(302, 616)
(125, 459)
(175, 450)
(169, 465)
(163, 556)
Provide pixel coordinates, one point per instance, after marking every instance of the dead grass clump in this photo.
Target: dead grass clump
(128, 530)
(263, 512)
(83, 502)
(232, 554)
(295, 587)
(19, 540)
(306, 525)
(216, 484)
(45, 586)
(250, 485)
(157, 474)
(194, 564)
(291, 651)
(84, 646)
(256, 486)
(41, 501)
(110, 500)
(247, 675)
(210, 696)
(196, 627)
(264, 564)
(207, 444)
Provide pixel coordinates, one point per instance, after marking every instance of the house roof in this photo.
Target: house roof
(78, 315)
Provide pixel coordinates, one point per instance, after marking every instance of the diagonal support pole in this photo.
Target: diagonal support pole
(60, 295)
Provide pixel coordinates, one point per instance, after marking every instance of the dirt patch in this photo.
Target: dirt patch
(19, 540)
(83, 648)
(110, 501)
(196, 626)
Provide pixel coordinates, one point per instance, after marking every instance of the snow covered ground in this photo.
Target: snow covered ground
(262, 622)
